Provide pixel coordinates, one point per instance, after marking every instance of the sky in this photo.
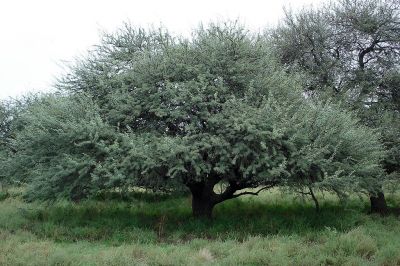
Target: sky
(39, 38)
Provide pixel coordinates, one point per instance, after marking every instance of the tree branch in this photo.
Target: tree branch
(251, 193)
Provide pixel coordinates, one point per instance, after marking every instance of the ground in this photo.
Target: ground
(271, 229)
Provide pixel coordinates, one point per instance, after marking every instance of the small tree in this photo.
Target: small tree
(149, 110)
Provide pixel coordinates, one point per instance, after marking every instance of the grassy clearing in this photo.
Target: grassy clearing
(267, 230)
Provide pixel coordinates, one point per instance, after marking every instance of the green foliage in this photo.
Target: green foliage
(349, 49)
(347, 46)
(61, 140)
(10, 123)
(5, 131)
(333, 151)
(150, 110)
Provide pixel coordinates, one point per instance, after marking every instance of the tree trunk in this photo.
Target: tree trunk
(378, 203)
(202, 207)
(317, 209)
(203, 199)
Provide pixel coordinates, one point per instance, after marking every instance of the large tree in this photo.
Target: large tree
(150, 110)
(350, 50)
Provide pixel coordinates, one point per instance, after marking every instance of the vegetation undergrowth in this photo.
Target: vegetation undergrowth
(272, 229)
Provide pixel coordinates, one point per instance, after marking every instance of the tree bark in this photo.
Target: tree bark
(378, 203)
(202, 206)
(203, 199)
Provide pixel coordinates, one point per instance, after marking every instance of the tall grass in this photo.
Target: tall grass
(272, 229)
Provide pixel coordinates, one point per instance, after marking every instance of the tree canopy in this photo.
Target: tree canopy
(350, 51)
(152, 110)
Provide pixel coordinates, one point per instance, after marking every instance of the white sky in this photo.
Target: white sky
(37, 36)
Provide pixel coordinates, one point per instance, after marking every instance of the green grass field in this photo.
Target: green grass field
(271, 229)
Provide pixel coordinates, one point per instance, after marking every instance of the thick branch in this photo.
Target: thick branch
(362, 54)
(251, 193)
(229, 193)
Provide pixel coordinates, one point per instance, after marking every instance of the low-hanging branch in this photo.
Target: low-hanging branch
(271, 185)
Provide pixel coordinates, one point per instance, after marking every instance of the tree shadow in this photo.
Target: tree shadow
(151, 219)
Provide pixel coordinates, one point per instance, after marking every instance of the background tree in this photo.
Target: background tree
(150, 110)
(350, 50)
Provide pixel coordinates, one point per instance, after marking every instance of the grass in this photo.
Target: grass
(271, 229)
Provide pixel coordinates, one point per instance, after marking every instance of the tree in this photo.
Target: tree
(150, 110)
(350, 50)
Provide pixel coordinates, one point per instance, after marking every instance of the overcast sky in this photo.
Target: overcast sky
(38, 36)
